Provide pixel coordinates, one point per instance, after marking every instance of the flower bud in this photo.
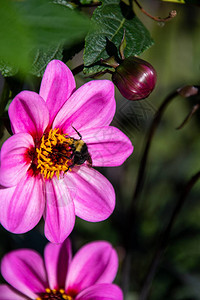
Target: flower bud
(135, 78)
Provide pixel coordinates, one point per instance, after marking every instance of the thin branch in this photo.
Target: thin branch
(164, 238)
(78, 69)
(152, 129)
(189, 116)
(171, 15)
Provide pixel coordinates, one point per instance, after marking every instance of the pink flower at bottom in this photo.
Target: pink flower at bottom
(46, 166)
(86, 276)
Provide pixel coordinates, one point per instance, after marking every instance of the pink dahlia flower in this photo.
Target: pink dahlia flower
(88, 276)
(46, 165)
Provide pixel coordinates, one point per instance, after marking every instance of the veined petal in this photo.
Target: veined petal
(101, 292)
(8, 293)
(14, 158)
(108, 146)
(22, 205)
(60, 212)
(24, 270)
(57, 86)
(57, 259)
(96, 262)
(28, 113)
(95, 197)
(92, 105)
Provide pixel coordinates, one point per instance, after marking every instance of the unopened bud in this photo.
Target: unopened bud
(135, 78)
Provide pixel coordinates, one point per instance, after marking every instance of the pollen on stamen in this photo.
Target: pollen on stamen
(54, 154)
(54, 294)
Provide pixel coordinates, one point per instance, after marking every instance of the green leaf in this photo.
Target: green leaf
(51, 23)
(109, 21)
(40, 59)
(14, 37)
(63, 2)
(7, 69)
(43, 57)
(36, 24)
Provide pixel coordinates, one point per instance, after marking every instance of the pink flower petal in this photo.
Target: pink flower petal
(57, 86)
(14, 159)
(95, 197)
(60, 212)
(8, 293)
(92, 105)
(24, 270)
(57, 259)
(28, 113)
(101, 292)
(96, 262)
(22, 205)
(108, 146)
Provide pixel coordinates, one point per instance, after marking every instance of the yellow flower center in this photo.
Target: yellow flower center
(54, 295)
(54, 154)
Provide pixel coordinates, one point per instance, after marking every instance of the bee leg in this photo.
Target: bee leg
(89, 163)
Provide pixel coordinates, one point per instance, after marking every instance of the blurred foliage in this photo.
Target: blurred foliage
(174, 158)
(32, 33)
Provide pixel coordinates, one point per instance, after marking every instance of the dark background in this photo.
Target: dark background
(173, 159)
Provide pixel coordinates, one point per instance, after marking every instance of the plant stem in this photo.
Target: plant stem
(189, 116)
(130, 222)
(164, 238)
(171, 15)
(78, 69)
(157, 117)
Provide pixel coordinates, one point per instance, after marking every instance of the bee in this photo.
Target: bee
(80, 151)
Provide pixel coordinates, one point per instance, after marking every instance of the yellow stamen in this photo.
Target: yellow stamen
(53, 155)
(59, 294)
